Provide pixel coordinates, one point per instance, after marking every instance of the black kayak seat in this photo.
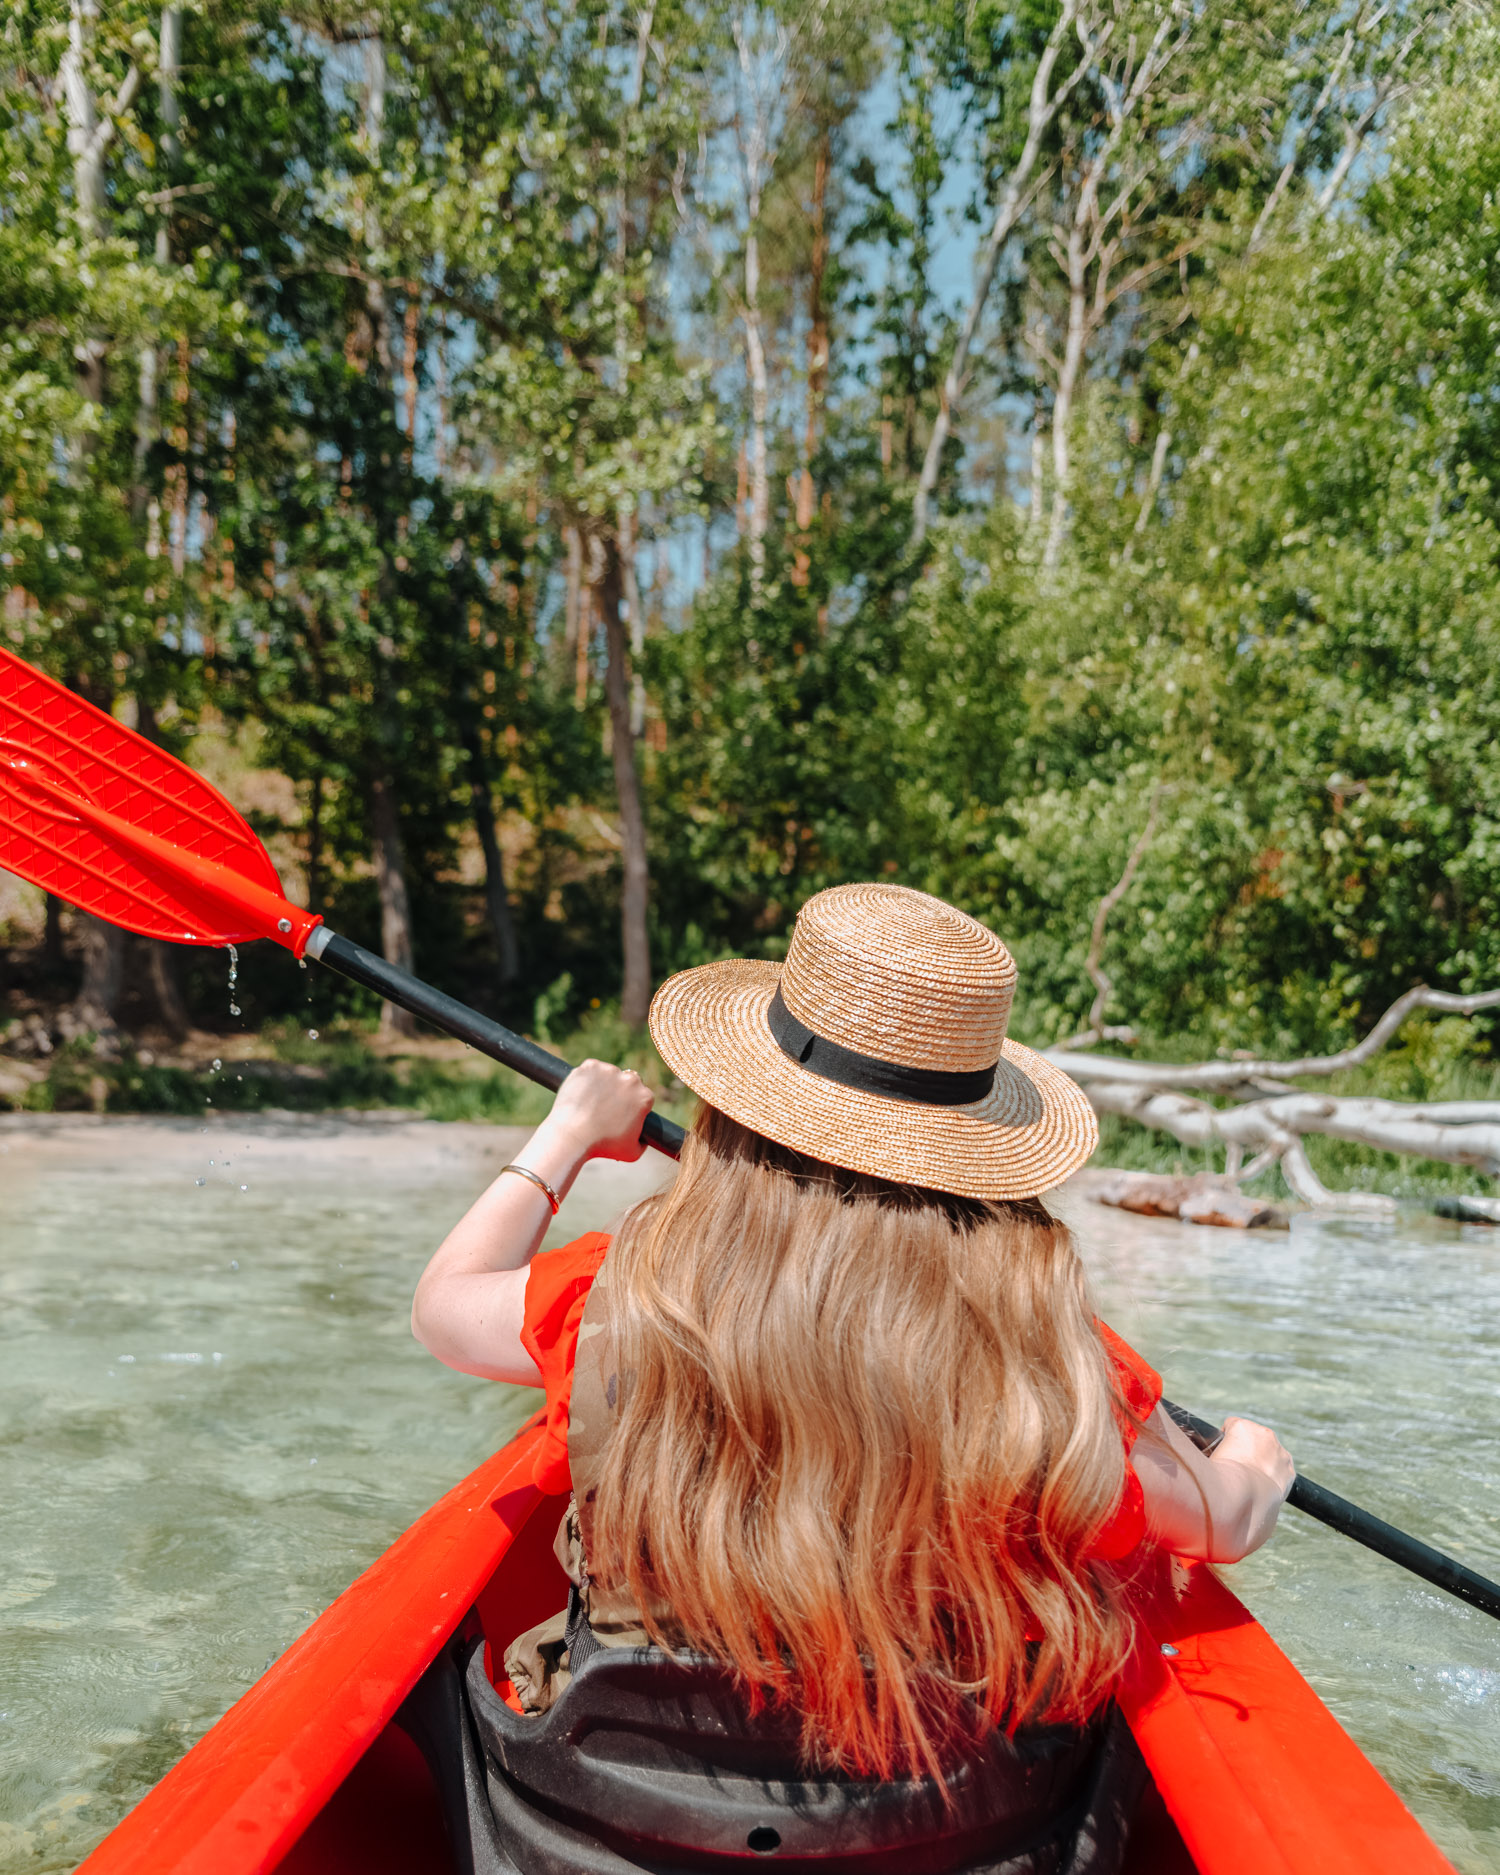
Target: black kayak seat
(647, 1762)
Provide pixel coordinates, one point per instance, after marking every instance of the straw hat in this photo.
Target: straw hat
(880, 1045)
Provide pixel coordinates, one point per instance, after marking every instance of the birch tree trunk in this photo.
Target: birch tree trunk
(635, 997)
(754, 142)
(1042, 108)
(1067, 389)
(760, 398)
(817, 357)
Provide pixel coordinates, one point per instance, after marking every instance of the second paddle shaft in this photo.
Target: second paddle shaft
(455, 1018)
(1384, 1538)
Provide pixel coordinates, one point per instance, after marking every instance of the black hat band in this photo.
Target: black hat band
(831, 1061)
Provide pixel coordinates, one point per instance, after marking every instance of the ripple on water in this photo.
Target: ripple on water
(178, 1536)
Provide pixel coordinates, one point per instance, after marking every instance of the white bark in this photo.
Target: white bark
(1272, 1119)
(1289, 168)
(89, 132)
(1078, 258)
(1153, 480)
(754, 146)
(1385, 1125)
(168, 68)
(1224, 1076)
(1384, 91)
(1041, 111)
(1088, 250)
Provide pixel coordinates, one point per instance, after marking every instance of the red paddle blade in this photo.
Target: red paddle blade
(96, 814)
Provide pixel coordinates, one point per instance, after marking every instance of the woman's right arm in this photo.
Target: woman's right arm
(1216, 1507)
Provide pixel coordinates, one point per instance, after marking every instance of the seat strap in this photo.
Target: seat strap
(582, 1642)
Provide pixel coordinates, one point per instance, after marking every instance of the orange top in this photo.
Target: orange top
(557, 1288)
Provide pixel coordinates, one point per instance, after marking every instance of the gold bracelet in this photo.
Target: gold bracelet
(541, 1184)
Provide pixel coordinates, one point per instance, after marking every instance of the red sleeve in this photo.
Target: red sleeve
(557, 1286)
(1140, 1393)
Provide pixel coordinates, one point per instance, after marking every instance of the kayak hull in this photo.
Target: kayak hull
(307, 1774)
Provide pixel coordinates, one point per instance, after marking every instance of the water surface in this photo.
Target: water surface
(213, 1416)
(1374, 1349)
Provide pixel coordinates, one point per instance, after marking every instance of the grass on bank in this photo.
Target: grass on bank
(348, 1066)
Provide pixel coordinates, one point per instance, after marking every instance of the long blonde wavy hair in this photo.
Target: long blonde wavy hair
(866, 1436)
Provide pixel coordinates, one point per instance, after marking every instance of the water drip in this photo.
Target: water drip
(234, 977)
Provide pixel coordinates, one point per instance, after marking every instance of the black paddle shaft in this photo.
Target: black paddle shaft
(456, 1018)
(1349, 1520)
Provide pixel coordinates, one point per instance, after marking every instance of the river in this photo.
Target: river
(213, 1416)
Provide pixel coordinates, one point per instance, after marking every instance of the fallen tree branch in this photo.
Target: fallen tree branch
(1224, 1076)
(1196, 1123)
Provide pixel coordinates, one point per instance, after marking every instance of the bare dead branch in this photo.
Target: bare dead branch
(1102, 982)
(1042, 109)
(1219, 1076)
(1153, 480)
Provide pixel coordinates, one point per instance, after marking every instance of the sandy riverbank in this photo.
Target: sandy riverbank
(398, 1149)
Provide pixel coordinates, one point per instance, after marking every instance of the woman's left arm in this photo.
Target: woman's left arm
(470, 1305)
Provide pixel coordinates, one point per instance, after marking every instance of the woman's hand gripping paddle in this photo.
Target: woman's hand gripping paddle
(1364, 1527)
(99, 816)
(96, 814)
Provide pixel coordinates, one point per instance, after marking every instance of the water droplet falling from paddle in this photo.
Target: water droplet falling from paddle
(234, 977)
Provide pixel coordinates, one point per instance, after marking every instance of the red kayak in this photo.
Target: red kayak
(309, 1775)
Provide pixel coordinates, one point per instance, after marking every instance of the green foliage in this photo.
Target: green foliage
(447, 312)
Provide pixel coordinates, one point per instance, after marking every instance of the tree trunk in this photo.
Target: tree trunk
(497, 902)
(635, 998)
(409, 370)
(52, 944)
(166, 986)
(1067, 389)
(163, 959)
(760, 399)
(632, 590)
(315, 844)
(99, 994)
(148, 420)
(98, 998)
(395, 906)
(373, 132)
(817, 360)
(572, 592)
(1042, 108)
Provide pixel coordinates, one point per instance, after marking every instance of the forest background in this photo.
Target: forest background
(586, 478)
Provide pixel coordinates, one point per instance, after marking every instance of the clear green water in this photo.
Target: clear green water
(212, 1417)
(1375, 1352)
(170, 1521)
